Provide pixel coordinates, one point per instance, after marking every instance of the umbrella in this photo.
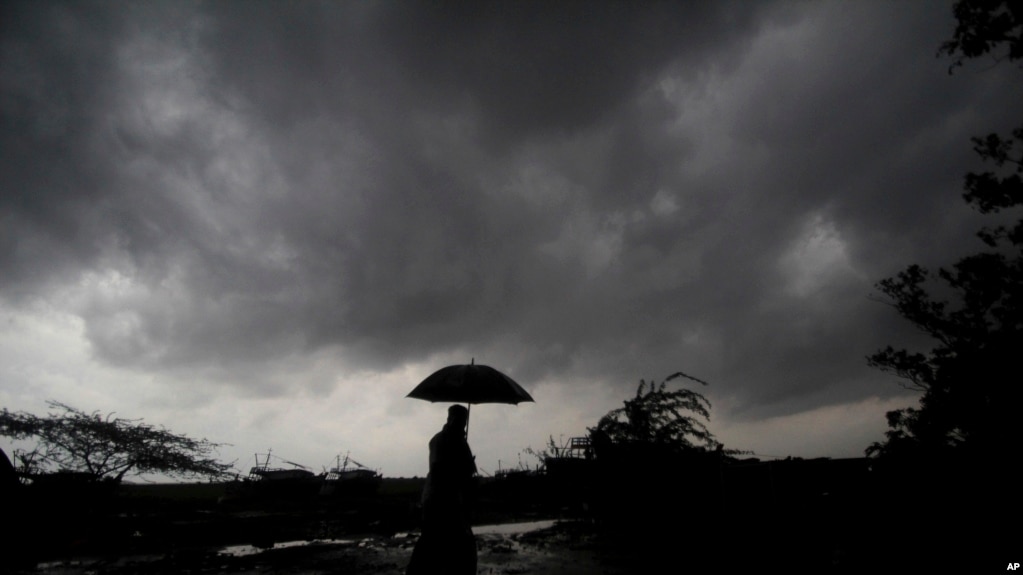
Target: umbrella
(470, 384)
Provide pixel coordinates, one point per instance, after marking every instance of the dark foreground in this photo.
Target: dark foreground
(210, 528)
(798, 517)
(569, 548)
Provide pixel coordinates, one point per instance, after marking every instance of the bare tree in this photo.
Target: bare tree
(110, 447)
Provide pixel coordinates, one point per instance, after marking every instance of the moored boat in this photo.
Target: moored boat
(349, 477)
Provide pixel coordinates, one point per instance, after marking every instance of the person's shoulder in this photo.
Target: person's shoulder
(448, 437)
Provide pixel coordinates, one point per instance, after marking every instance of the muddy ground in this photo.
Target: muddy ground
(626, 526)
(568, 547)
(195, 529)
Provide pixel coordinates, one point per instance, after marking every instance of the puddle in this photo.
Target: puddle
(245, 550)
(500, 529)
(512, 528)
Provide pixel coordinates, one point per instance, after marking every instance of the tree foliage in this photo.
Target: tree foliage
(986, 27)
(658, 416)
(109, 447)
(969, 380)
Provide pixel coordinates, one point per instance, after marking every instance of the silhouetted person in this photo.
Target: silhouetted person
(447, 545)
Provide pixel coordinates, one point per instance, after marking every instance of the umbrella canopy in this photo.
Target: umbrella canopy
(470, 384)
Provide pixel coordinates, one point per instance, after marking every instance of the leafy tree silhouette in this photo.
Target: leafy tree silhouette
(659, 417)
(985, 27)
(970, 379)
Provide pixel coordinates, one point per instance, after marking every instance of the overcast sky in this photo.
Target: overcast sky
(265, 222)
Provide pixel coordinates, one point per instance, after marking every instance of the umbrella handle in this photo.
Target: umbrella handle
(468, 411)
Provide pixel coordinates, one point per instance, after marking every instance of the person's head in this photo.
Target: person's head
(458, 415)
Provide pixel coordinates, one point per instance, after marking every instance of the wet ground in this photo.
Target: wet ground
(541, 548)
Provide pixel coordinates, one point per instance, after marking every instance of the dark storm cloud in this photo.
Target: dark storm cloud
(439, 255)
(536, 68)
(55, 86)
(606, 191)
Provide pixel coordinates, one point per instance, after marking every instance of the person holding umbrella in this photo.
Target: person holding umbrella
(447, 544)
